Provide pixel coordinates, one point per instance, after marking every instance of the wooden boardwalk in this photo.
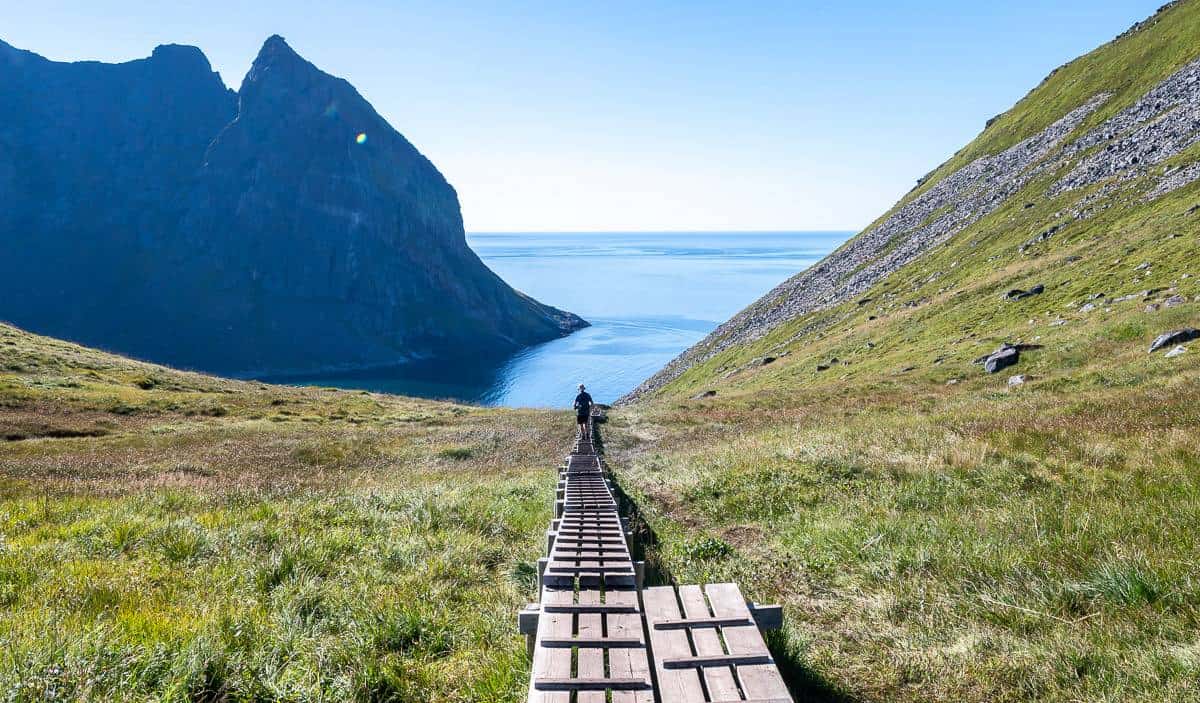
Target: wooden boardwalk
(597, 636)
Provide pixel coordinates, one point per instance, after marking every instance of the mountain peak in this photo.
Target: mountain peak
(279, 65)
(276, 50)
(181, 56)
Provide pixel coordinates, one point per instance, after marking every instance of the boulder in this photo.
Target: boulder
(1176, 351)
(1176, 337)
(1001, 359)
(1174, 301)
(1017, 380)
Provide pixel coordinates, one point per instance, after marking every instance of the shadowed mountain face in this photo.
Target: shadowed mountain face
(150, 210)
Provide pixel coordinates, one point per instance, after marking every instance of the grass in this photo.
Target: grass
(937, 546)
(172, 536)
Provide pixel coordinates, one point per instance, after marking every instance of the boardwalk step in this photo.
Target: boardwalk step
(602, 608)
(685, 623)
(716, 660)
(595, 684)
(594, 642)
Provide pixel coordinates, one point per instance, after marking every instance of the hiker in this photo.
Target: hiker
(583, 411)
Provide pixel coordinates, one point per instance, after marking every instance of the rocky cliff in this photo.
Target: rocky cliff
(285, 228)
(1115, 129)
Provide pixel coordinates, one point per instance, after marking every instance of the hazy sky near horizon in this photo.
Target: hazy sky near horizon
(652, 115)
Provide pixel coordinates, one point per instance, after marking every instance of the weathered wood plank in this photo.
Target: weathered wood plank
(702, 622)
(758, 680)
(594, 642)
(707, 642)
(552, 663)
(568, 684)
(590, 661)
(591, 608)
(674, 685)
(633, 662)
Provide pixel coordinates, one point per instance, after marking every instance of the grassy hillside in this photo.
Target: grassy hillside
(936, 533)
(172, 536)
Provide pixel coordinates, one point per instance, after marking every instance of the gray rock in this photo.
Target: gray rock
(1179, 336)
(704, 394)
(1174, 301)
(1176, 351)
(1020, 294)
(1152, 307)
(1001, 359)
(1088, 308)
(1017, 380)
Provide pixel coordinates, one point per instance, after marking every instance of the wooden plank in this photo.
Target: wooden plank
(758, 680)
(590, 608)
(632, 662)
(552, 663)
(590, 568)
(707, 642)
(702, 622)
(594, 642)
(718, 660)
(568, 684)
(674, 685)
(590, 661)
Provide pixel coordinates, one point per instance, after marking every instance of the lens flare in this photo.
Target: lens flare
(361, 138)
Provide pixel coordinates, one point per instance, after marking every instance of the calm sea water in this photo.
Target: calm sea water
(648, 296)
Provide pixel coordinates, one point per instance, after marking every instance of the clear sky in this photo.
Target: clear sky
(641, 115)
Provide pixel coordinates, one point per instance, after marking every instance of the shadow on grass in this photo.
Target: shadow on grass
(803, 683)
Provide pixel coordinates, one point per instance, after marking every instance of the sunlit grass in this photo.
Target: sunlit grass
(296, 544)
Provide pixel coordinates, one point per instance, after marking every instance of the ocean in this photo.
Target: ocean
(648, 295)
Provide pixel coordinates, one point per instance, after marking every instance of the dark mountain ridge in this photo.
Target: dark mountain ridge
(150, 210)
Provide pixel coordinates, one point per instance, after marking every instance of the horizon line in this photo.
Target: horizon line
(662, 231)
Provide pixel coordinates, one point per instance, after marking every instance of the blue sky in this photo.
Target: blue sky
(640, 115)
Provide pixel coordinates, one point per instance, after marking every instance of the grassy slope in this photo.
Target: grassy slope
(172, 536)
(965, 542)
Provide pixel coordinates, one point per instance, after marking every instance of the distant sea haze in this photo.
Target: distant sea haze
(648, 295)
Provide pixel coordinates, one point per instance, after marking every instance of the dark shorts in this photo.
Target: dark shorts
(580, 419)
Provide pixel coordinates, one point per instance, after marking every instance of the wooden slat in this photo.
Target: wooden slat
(674, 685)
(590, 660)
(594, 642)
(633, 663)
(758, 680)
(719, 680)
(552, 663)
(568, 684)
(717, 660)
(702, 622)
(590, 608)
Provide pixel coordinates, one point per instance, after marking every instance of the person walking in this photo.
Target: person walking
(583, 411)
